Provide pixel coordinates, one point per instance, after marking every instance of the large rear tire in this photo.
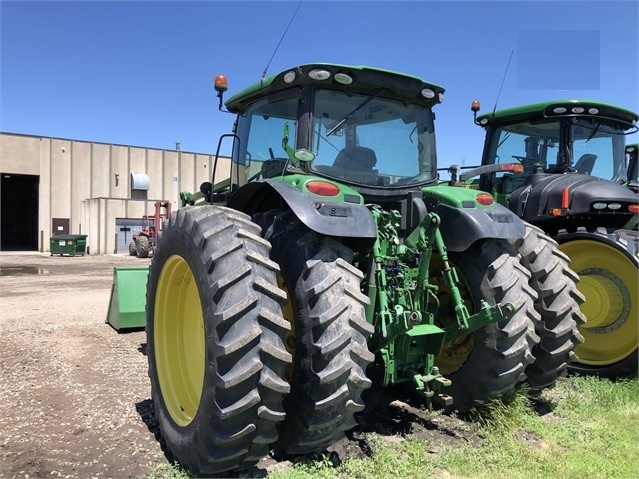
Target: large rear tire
(491, 362)
(329, 347)
(607, 265)
(558, 303)
(132, 249)
(215, 340)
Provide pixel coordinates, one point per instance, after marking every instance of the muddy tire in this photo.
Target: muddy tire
(491, 362)
(330, 332)
(558, 303)
(143, 247)
(132, 249)
(215, 342)
(607, 264)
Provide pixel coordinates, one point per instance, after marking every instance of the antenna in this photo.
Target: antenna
(502, 82)
(280, 42)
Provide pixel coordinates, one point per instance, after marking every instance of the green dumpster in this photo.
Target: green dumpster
(68, 244)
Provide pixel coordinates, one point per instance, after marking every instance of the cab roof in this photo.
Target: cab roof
(560, 108)
(366, 79)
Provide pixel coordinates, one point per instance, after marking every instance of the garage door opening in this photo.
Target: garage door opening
(19, 212)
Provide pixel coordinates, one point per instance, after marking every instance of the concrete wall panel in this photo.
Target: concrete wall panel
(120, 170)
(171, 176)
(60, 180)
(155, 170)
(20, 154)
(80, 187)
(101, 178)
(186, 179)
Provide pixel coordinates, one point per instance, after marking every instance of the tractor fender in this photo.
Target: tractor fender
(320, 214)
(461, 227)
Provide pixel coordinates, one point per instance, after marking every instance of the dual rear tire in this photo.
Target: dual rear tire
(236, 367)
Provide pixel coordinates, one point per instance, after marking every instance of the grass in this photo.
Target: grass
(591, 431)
(168, 471)
(584, 428)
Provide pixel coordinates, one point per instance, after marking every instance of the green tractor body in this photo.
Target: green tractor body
(331, 260)
(578, 184)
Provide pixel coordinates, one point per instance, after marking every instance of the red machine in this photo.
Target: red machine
(144, 242)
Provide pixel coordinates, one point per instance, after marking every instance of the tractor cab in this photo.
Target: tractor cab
(368, 128)
(572, 136)
(573, 154)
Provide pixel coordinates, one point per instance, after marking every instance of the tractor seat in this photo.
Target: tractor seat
(585, 163)
(356, 158)
(274, 167)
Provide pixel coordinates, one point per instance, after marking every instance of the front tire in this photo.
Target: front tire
(491, 362)
(330, 351)
(215, 340)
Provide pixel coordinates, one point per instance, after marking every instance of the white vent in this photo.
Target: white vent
(139, 181)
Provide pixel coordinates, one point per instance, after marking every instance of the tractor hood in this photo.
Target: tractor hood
(572, 200)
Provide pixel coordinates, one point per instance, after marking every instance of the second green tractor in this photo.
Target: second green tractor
(576, 180)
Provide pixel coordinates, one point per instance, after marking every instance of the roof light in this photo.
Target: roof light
(474, 106)
(322, 188)
(319, 74)
(578, 109)
(483, 121)
(559, 110)
(289, 76)
(599, 206)
(428, 93)
(593, 111)
(614, 206)
(633, 209)
(484, 199)
(557, 212)
(343, 78)
(440, 96)
(220, 83)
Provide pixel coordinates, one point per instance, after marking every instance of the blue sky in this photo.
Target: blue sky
(140, 73)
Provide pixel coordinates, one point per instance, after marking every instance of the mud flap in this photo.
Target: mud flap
(128, 298)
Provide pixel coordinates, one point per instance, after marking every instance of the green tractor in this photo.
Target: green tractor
(573, 182)
(332, 259)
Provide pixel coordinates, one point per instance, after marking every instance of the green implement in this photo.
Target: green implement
(128, 298)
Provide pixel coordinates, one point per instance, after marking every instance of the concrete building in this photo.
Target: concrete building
(54, 186)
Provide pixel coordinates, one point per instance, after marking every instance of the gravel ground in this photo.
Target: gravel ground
(75, 392)
(76, 399)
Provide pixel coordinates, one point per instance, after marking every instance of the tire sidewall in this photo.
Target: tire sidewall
(184, 437)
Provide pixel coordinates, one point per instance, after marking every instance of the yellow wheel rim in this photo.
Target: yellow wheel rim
(178, 335)
(608, 280)
(454, 353)
(287, 312)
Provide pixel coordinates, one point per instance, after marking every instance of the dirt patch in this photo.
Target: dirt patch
(76, 399)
